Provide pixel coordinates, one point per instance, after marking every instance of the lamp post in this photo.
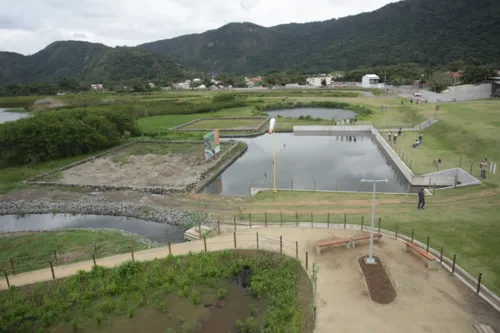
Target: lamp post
(272, 123)
(370, 259)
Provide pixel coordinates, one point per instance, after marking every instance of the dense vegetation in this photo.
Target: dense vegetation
(89, 62)
(94, 298)
(360, 110)
(64, 133)
(411, 31)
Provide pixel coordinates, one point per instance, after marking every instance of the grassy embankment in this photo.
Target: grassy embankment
(32, 251)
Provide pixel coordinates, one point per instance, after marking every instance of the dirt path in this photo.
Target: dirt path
(427, 301)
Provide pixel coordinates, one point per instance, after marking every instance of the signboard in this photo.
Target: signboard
(212, 145)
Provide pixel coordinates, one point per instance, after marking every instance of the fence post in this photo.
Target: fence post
(379, 223)
(479, 282)
(218, 227)
(297, 218)
(328, 221)
(427, 246)
(471, 165)
(205, 243)
(265, 218)
(362, 221)
(312, 223)
(345, 221)
(296, 249)
(234, 222)
(412, 235)
(453, 266)
(307, 260)
(6, 277)
(396, 230)
(234, 236)
(281, 244)
(132, 252)
(441, 255)
(55, 256)
(169, 248)
(13, 266)
(93, 258)
(281, 219)
(52, 270)
(257, 240)
(460, 165)
(434, 189)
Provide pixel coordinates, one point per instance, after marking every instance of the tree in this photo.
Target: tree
(440, 81)
(323, 82)
(477, 74)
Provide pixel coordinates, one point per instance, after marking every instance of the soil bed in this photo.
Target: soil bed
(379, 284)
(171, 165)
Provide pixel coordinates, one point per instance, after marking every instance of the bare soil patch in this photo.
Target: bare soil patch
(379, 284)
(171, 165)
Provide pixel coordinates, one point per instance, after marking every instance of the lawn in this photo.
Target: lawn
(223, 124)
(193, 293)
(32, 251)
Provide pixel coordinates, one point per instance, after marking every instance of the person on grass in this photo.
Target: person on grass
(421, 199)
(484, 167)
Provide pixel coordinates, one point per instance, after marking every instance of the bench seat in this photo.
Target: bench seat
(320, 245)
(431, 260)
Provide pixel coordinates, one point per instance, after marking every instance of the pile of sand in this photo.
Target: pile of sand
(175, 170)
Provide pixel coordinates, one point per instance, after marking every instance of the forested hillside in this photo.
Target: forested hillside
(412, 31)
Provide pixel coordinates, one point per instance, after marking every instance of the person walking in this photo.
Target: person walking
(484, 167)
(390, 136)
(421, 199)
(394, 138)
(420, 138)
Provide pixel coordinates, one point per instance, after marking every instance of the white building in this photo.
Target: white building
(371, 81)
(96, 86)
(316, 81)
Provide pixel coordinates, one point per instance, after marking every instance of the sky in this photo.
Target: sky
(27, 26)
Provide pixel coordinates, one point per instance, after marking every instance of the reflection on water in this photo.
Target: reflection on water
(319, 161)
(151, 230)
(11, 116)
(322, 113)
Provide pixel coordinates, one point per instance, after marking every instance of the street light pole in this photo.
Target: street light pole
(272, 123)
(370, 259)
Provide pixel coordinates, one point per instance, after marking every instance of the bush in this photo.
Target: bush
(53, 135)
(224, 98)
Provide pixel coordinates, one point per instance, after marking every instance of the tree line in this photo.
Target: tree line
(64, 133)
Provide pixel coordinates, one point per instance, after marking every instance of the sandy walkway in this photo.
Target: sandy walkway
(426, 301)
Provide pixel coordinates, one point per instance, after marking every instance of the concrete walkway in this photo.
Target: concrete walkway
(427, 301)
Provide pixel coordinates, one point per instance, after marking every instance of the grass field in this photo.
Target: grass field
(223, 124)
(31, 251)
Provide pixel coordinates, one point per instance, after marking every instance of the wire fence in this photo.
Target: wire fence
(462, 260)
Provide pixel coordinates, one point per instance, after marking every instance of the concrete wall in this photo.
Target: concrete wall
(459, 93)
(338, 128)
(462, 177)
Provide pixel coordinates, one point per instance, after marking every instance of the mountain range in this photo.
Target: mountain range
(425, 32)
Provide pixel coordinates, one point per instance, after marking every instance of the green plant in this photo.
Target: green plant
(180, 320)
(221, 293)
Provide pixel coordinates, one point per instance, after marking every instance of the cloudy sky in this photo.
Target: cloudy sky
(27, 26)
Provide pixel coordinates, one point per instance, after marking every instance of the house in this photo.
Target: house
(316, 81)
(371, 81)
(151, 85)
(196, 80)
(97, 86)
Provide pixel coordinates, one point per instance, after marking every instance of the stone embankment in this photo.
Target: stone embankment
(94, 207)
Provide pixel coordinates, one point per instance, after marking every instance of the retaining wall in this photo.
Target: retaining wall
(337, 128)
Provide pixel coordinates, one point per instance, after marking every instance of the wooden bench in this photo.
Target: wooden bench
(349, 242)
(431, 260)
(320, 245)
(360, 238)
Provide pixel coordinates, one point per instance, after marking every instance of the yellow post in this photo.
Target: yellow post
(274, 163)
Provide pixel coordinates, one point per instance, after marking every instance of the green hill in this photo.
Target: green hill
(411, 31)
(88, 62)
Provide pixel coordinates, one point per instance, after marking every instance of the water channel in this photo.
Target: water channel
(11, 116)
(151, 230)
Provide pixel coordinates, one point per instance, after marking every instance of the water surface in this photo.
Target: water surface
(308, 161)
(151, 230)
(322, 113)
(11, 116)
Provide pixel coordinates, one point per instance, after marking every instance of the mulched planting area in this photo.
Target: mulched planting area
(379, 285)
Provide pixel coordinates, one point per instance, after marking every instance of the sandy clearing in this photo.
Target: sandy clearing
(176, 170)
(427, 301)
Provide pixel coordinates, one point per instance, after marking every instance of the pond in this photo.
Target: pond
(151, 230)
(322, 113)
(310, 161)
(11, 116)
